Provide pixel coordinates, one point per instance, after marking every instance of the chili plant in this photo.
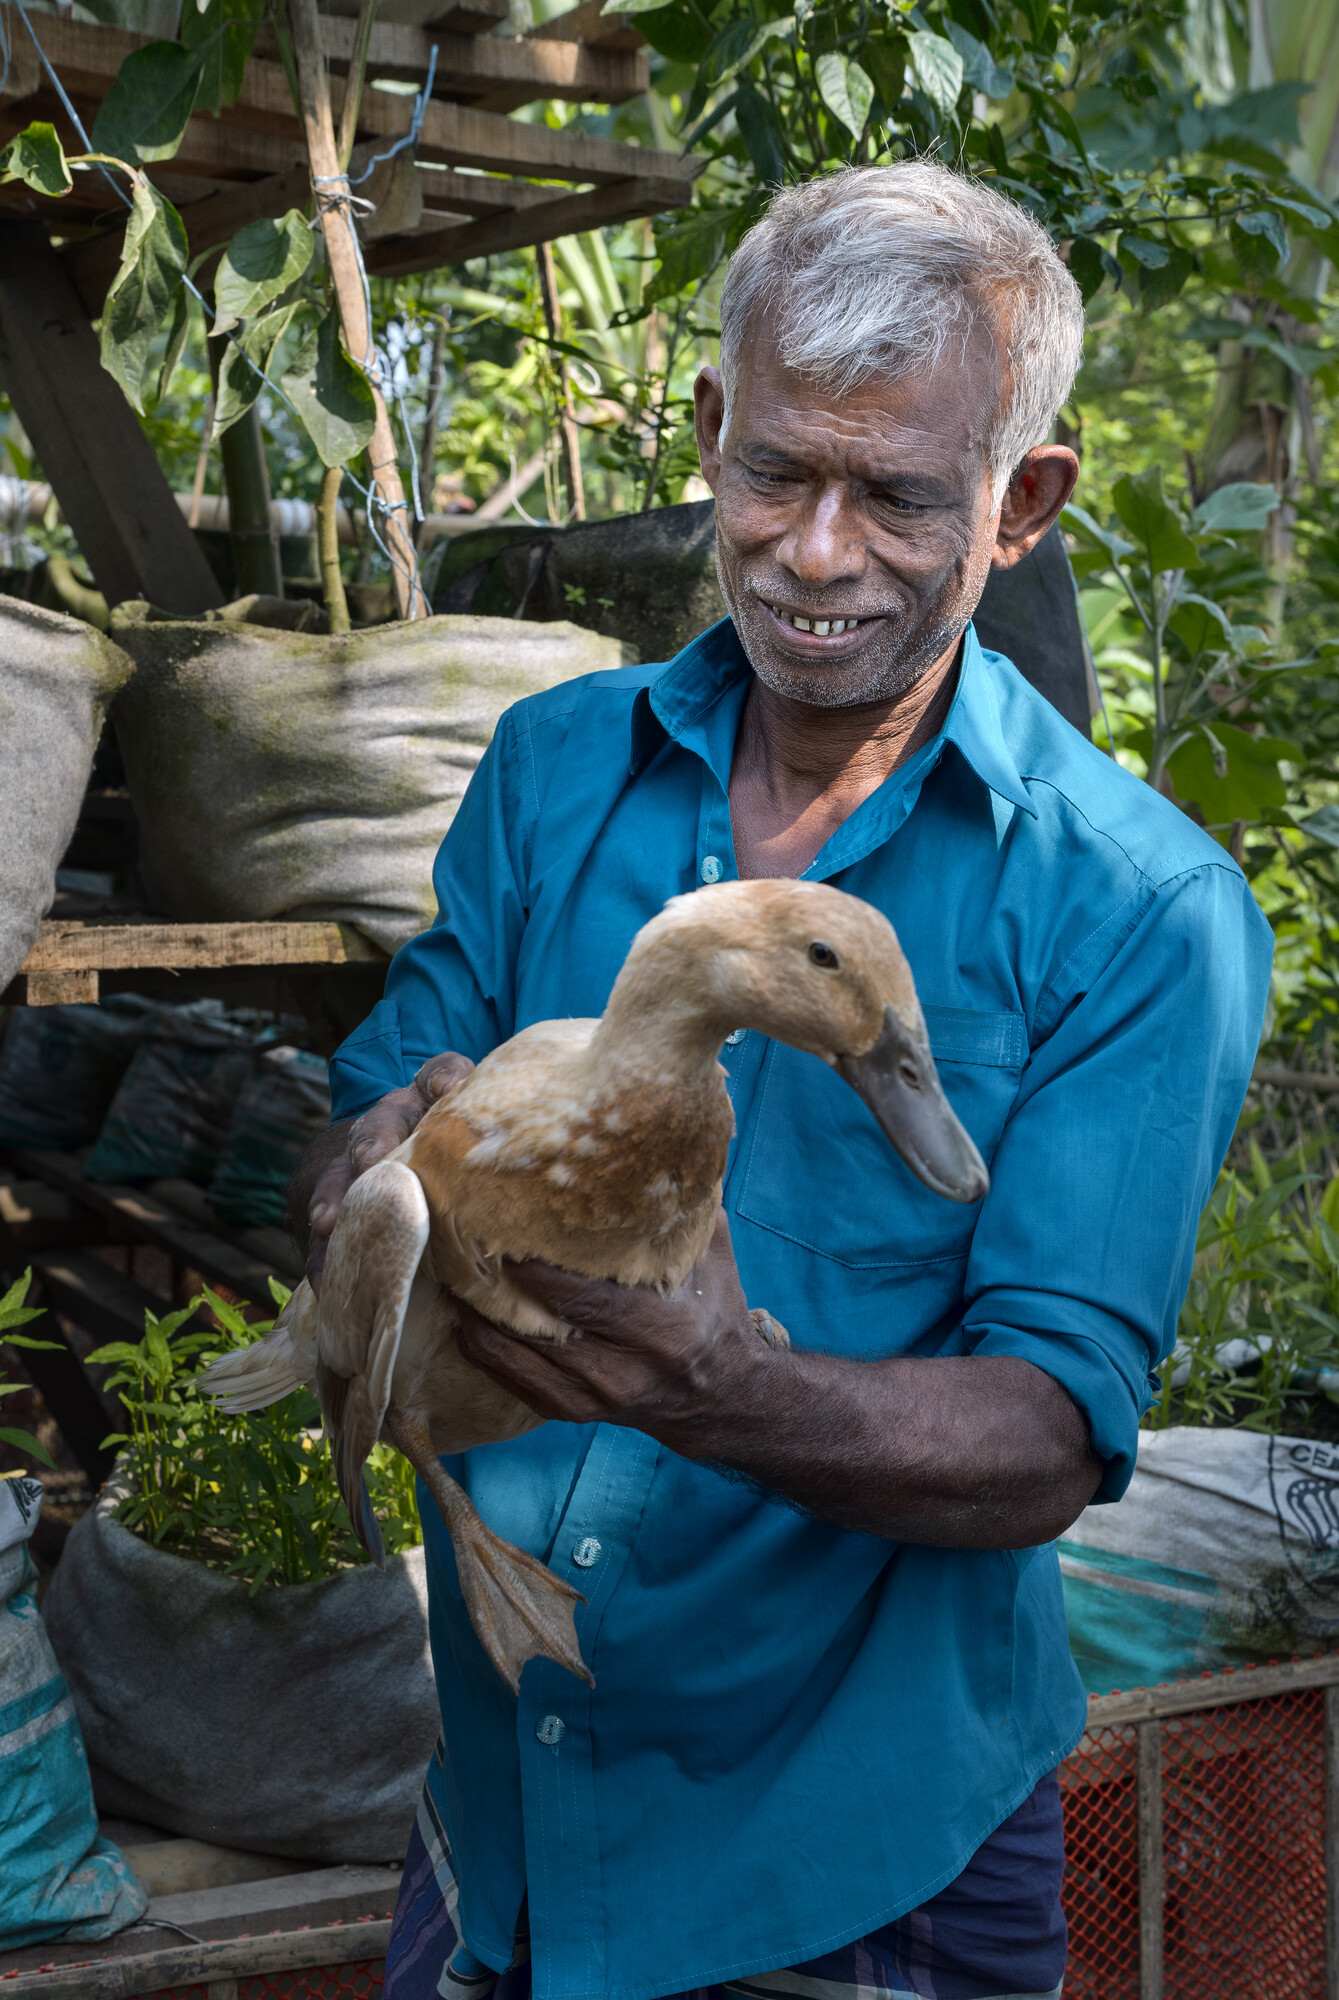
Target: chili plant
(253, 1496)
(13, 1312)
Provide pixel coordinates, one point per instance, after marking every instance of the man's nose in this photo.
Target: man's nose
(824, 542)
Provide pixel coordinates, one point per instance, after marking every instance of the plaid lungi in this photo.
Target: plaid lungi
(995, 1933)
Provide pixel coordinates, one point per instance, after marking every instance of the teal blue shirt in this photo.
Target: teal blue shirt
(798, 1733)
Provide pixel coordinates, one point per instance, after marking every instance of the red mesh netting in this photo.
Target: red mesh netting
(1243, 1855)
(360, 1981)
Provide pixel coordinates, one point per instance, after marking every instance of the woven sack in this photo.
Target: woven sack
(280, 775)
(298, 1721)
(281, 1110)
(57, 676)
(1224, 1550)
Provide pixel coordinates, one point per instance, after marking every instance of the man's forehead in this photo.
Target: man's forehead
(879, 424)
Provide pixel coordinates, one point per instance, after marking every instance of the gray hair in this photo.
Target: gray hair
(871, 272)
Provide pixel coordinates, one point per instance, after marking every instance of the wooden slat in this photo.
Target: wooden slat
(110, 947)
(590, 24)
(1295, 1079)
(398, 257)
(1111, 1711)
(473, 64)
(202, 1964)
(1149, 1764)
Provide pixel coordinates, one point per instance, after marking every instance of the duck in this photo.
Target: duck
(599, 1146)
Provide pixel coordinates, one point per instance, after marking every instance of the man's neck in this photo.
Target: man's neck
(799, 771)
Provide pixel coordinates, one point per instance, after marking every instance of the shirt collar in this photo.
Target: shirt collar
(685, 703)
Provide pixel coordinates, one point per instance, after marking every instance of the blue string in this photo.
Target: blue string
(70, 111)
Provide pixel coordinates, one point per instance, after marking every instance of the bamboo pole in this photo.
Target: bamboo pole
(330, 188)
(327, 542)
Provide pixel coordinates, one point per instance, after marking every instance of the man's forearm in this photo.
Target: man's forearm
(962, 1452)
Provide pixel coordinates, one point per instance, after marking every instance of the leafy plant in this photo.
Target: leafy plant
(13, 1312)
(253, 1496)
(1260, 1325)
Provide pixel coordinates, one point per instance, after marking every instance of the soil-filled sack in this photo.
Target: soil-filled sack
(60, 1068)
(57, 676)
(1224, 1550)
(281, 775)
(297, 1721)
(58, 1877)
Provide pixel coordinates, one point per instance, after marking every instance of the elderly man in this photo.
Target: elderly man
(832, 1684)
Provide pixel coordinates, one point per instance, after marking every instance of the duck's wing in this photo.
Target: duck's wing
(254, 1377)
(374, 1253)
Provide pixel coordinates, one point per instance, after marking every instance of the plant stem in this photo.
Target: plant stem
(671, 346)
(427, 452)
(327, 542)
(568, 435)
(353, 87)
(330, 190)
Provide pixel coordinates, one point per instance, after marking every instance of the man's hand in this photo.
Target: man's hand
(334, 1160)
(964, 1451)
(662, 1365)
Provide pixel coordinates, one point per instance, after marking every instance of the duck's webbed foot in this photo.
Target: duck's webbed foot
(769, 1327)
(519, 1609)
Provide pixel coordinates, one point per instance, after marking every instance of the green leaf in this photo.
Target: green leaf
(761, 134)
(1200, 625)
(176, 342)
(1086, 265)
(1156, 525)
(1324, 827)
(938, 69)
(1079, 522)
(1249, 783)
(1259, 241)
(331, 396)
(846, 89)
(262, 261)
(36, 157)
(144, 291)
(687, 251)
(1143, 250)
(25, 1441)
(220, 35)
(737, 45)
(145, 113)
(979, 67)
(677, 32)
(1243, 507)
(13, 1312)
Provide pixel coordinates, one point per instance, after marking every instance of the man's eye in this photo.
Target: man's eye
(897, 503)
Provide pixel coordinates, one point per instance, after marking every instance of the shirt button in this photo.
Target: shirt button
(586, 1553)
(733, 1041)
(711, 869)
(551, 1730)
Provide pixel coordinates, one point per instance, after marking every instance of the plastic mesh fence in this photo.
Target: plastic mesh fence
(356, 1981)
(1243, 1841)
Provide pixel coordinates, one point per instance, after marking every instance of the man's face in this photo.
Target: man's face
(872, 509)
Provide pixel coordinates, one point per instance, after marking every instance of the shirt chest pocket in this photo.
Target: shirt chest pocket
(818, 1170)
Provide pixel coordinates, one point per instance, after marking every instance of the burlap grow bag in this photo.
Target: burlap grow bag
(1224, 1550)
(296, 1722)
(281, 775)
(57, 676)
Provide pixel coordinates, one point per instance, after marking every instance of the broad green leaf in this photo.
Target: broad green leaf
(846, 89)
(13, 1312)
(1268, 116)
(25, 1441)
(677, 31)
(1201, 626)
(1143, 250)
(331, 396)
(145, 113)
(1242, 784)
(1324, 827)
(938, 69)
(1078, 521)
(220, 35)
(176, 342)
(760, 132)
(36, 157)
(144, 291)
(737, 45)
(1087, 266)
(1156, 525)
(262, 261)
(1259, 241)
(245, 364)
(687, 250)
(979, 67)
(1244, 507)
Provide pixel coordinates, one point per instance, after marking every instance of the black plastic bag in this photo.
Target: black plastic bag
(285, 1105)
(60, 1068)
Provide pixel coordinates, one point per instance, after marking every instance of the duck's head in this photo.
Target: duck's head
(822, 971)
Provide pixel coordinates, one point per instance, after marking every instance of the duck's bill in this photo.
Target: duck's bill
(898, 1080)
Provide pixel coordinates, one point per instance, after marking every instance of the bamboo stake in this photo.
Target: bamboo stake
(330, 188)
(569, 436)
(327, 543)
(353, 88)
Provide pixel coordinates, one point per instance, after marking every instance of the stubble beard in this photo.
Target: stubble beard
(883, 671)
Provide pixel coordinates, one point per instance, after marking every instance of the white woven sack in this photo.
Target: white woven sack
(57, 676)
(281, 775)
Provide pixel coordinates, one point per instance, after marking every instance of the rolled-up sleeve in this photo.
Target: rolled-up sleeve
(453, 986)
(1083, 1249)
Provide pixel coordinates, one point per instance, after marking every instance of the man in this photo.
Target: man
(832, 1684)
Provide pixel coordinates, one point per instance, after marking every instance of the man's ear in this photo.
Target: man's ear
(709, 414)
(1036, 493)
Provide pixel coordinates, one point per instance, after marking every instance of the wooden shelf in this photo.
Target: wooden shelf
(70, 954)
(250, 161)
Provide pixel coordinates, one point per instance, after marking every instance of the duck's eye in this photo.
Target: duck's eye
(824, 955)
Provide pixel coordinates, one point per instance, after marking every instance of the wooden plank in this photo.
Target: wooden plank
(398, 257)
(104, 1302)
(1110, 1711)
(111, 488)
(590, 24)
(1295, 1079)
(200, 1964)
(1332, 1843)
(472, 64)
(110, 947)
(34, 1216)
(60, 989)
(1150, 1860)
(141, 1216)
